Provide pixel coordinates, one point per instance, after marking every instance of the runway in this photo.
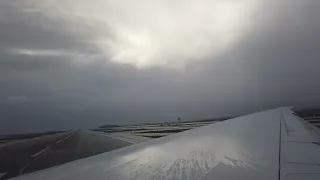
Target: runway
(44, 152)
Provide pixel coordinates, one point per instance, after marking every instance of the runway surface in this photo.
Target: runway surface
(40, 153)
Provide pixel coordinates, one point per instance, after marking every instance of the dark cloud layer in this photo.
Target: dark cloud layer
(53, 75)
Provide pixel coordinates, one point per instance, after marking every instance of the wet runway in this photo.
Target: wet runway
(40, 153)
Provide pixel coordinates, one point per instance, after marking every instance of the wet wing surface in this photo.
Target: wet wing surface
(246, 147)
(270, 145)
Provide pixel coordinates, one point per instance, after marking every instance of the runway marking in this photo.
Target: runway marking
(41, 152)
(59, 141)
(69, 136)
(26, 140)
(47, 148)
(23, 168)
(62, 139)
(2, 174)
(118, 138)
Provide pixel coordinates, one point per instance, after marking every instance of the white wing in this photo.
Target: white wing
(270, 145)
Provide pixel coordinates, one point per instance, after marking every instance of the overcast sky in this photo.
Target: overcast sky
(84, 63)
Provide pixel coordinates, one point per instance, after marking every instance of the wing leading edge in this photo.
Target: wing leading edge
(246, 147)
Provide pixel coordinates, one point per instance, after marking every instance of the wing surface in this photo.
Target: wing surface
(300, 148)
(269, 145)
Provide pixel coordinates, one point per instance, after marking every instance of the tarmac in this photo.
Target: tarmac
(51, 150)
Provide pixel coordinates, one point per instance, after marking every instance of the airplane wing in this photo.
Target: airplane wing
(269, 145)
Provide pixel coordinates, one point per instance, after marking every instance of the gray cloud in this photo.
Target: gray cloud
(55, 74)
